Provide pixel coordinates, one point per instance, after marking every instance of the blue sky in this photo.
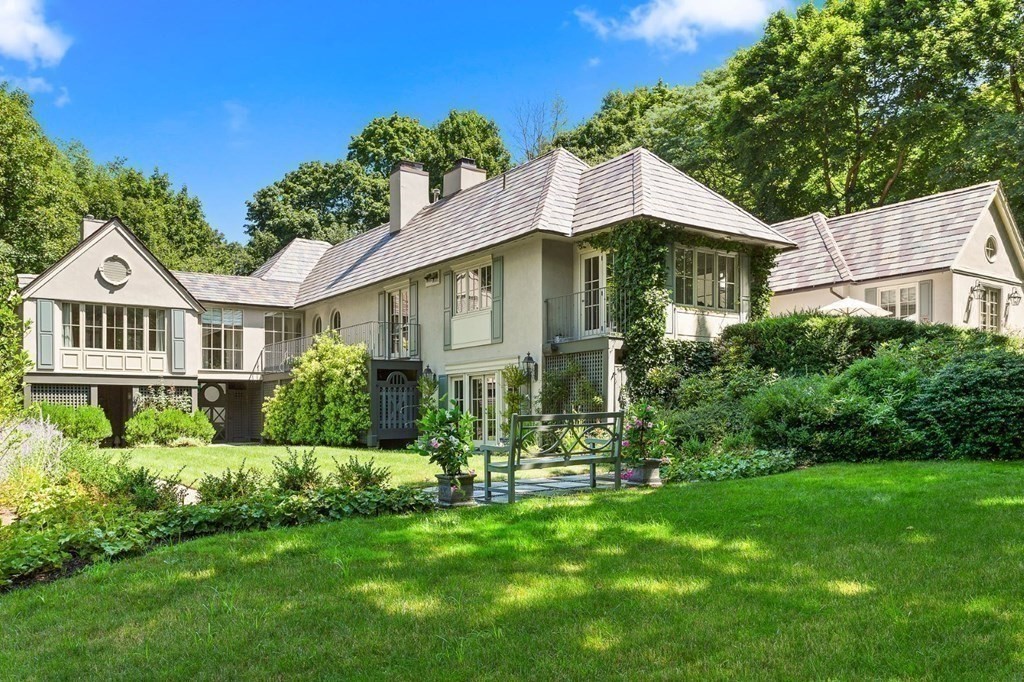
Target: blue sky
(227, 98)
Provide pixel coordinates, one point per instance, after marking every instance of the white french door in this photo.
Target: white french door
(398, 322)
(593, 311)
(478, 395)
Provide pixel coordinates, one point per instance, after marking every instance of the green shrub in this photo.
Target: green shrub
(356, 475)
(145, 489)
(972, 407)
(729, 466)
(297, 471)
(791, 414)
(327, 401)
(231, 485)
(709, 407)
(445, 438)
(171, 427)
(86, 424)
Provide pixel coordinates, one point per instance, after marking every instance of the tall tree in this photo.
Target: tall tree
(318, 200)
(622, 123)
(388, 139)
(466, 134)
(537, 124)
(40, 204)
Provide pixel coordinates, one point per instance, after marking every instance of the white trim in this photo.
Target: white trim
(986, 275)
(479, 366)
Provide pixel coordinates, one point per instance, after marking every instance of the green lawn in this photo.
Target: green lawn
(906, 570)
(405, 466)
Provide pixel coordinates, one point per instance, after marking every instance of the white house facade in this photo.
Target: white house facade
(493, 272)
(953, 258)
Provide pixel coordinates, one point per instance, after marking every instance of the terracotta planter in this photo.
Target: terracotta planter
(455, 491)
(647, 473)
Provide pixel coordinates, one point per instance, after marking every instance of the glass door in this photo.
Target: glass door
(398, 322)
(593, 315)
(478, 394)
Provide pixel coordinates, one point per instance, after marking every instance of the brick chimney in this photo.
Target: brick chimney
(90, 225)
(410, 191)
(462, 176)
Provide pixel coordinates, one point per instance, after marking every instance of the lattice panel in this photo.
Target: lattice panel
(591, 362)
(71, 396)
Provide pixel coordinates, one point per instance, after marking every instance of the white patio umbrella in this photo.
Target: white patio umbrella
(854, 308)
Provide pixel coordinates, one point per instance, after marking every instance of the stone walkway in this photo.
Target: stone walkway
(536, 487)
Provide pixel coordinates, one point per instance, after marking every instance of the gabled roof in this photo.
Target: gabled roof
(239, 289)
(294, 261)
(639, 184)
(913, 236)
(555, 193)
(36, 281)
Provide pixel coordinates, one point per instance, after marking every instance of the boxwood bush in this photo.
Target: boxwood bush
(86, 424)
(171, 427)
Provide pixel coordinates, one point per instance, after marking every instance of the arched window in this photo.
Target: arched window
(318, 325)
(336, 319)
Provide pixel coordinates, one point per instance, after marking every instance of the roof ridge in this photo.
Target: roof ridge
(995, 184)
(831, 246)
(546, 190)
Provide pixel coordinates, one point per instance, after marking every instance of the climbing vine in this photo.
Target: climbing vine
(639, 269)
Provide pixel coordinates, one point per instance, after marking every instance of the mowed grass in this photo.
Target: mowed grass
(904, 570)
(405, 466)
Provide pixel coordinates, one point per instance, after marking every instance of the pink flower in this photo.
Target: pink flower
(625, 443)
(435, 443)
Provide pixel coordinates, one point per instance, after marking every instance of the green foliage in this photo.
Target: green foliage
(568, 390)
(446, 438)
(87, 424)
(971, 407)
(327, 400)
(516, 400)
(14, 361)
(231, 484)
(644, 436)
(709, 408)
(791, 414)
(356, 475)
(171, 427)
(297, 471)
(466, 134)
(723, 467)
(144, 489)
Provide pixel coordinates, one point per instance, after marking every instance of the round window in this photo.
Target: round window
(211, 393)
(115, 271)
(991, 249)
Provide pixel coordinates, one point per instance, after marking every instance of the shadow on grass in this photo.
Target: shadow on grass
(802, 575)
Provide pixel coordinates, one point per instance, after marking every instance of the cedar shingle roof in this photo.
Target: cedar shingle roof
(901, 239)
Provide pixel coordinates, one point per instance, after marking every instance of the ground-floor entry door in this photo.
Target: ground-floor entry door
(116, 402)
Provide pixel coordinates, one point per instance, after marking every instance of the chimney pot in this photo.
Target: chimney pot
(463, 175)
(410, 191)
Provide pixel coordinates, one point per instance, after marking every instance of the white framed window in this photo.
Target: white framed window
(71, 314)
(336, 320)
(135, 329)
(991, 249)
(93, 314)
(991, 299)
(473, 289)
(115, 327)
(222, 338)
(112, 327)
(279, 327)
(157, 330)
(478, 394)
(398, 321)
(900, 301)
(318, 325)
(706, 279)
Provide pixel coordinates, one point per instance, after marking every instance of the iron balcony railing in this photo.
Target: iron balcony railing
(585, 314)
(383, 341)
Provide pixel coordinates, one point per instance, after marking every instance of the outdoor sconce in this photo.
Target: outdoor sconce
(1014, 297)
(977, 291)
(530, 365)
(428, 373)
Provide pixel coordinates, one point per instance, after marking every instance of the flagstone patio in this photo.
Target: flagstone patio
(537, 487)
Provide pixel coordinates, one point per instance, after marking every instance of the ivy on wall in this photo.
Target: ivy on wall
(640, 252)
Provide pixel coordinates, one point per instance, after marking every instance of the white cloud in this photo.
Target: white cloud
(63, 98)
(33, 85)
(25, 35)
(594, 62)
(679, 24)
(238, 116)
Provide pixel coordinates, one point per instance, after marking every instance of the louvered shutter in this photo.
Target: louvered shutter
(44, 334)
(448, 296)
(497, 305)
(177, 340)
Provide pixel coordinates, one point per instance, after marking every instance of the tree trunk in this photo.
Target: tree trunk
(900, 160)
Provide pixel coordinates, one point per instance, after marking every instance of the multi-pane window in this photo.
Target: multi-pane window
(93, 325)
(398, 321)
(72, 316)
(990, 304)
(706, 279)
(473, 289)
(336, 320)
(458, 395)
(279, 327)
(115, 327)
(222, 338)
(135, 329)
(157, 330)
(901, 302)
(482, 401)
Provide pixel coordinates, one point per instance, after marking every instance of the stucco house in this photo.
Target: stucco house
(494, 271)
(954, 257)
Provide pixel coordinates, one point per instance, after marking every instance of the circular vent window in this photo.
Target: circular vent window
(115, 271)
(991, 249)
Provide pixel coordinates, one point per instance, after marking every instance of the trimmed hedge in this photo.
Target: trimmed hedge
(168, 427)
(86, 424)
(36, 548)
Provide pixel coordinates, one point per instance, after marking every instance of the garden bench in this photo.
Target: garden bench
(555, 440)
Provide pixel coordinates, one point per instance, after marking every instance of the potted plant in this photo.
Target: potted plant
(644, 445)
(446, 437)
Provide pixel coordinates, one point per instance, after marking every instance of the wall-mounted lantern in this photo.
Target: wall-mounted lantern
(530, 365)
(1014, 297)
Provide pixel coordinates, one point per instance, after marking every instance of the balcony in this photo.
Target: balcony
(383, 341)
(585, 314)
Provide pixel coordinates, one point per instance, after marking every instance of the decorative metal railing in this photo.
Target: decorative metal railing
(383, 341)
(584, 314)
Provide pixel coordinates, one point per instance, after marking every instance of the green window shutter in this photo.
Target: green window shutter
(497, 305)
(178, 340)
(871, 296)
(925, 304)
(382, 328)
(448, 299)
(414, 318)
(44, 334)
